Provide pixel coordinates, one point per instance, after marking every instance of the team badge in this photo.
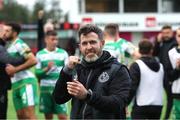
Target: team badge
(103, 77)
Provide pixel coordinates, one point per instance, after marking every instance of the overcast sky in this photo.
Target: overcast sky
(26, 2)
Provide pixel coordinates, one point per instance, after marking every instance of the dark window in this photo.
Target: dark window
(140, 6)
(80, 6)
(102, 6)
(176, 5)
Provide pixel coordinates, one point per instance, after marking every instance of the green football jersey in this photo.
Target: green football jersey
(48, 79)
(126, 46)
(127, 49)
(114, 49)
(20, 48)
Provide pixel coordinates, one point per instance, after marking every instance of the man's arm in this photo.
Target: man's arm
(6, 58)
(131, 49)
(157, 43)
(174, 74)
(135, 75)
(39, 71)
(40, 29)
(60, 92)
(30, 61)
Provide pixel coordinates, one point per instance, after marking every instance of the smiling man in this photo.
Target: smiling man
(102, 85)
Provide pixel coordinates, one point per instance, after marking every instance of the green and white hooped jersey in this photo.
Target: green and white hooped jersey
(126, 46)
(127, 49)
(114, 49)
(20, 48)
(48, 79)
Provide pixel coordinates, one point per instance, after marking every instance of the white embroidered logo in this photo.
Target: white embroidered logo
(103, 77)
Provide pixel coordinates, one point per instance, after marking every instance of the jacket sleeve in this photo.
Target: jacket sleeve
(172, 73)
(60, 92)
(118, 93)
(135, 75)
(6, 58)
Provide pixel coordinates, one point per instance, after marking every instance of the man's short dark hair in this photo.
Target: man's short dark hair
(15, 27)
(86, 29)
(51, 33)
(145, 46)
(112, 29)
(166, 27)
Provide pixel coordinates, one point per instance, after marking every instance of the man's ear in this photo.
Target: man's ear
(79, 46)
(102, 42)
(15, 34)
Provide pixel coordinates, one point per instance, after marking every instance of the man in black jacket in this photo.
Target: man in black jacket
(164, 42)
(101, 85)
(5, 82)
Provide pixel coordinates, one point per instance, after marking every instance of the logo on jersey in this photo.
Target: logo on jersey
(103, 77)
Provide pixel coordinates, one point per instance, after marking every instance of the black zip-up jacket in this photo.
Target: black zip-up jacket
(5, 58)
(109, 82)
(161, 51)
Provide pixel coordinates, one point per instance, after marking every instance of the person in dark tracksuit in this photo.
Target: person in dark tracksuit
(5, 82)
(164, 42)
(147, 84)
(101, 85)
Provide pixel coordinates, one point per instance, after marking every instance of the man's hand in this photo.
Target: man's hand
(178, 64)
(10, 69)
(159, 37)
(40, 14)
(50, 65)
(73, 61)
(76, 89)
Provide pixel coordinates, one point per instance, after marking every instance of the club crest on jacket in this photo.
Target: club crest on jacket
(103, 77)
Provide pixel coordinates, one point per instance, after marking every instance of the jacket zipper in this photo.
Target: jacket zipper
(84, 109)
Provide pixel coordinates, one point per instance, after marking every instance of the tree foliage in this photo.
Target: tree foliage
(14, 12)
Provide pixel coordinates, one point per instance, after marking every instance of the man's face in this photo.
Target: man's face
(91, 46)
(167, 34)
(8, 33)
(51, 42)
(178, 36)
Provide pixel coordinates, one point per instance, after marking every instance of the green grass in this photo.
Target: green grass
(12, 113)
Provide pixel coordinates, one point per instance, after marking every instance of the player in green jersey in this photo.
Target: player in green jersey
(118, 47)
(23, 80)
(50, 62)
(110, 36)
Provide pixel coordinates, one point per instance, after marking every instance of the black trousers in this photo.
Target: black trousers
(146, 112)
(3, 104)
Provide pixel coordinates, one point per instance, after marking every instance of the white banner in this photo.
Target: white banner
(130, 22)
